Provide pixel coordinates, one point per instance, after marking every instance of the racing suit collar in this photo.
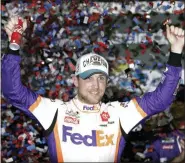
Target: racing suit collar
(86, 107)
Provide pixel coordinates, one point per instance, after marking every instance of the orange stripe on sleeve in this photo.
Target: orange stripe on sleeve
(139, 109)
(117, 146)
(58, 146)
(35, 104)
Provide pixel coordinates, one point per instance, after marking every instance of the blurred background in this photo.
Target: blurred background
(129, 34)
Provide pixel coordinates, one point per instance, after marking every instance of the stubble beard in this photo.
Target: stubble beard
(85, 99)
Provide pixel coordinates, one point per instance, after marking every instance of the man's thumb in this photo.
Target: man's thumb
(8, 31)
(167, 31)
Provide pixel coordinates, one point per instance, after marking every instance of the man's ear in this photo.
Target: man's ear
(75, 80)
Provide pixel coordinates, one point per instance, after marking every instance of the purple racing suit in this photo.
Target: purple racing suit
(165, 148)
(81, 132)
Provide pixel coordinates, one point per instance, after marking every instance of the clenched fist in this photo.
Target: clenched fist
(11, 24)
(175, 36)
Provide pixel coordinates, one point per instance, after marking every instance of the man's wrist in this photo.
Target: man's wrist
(175, 59)
(176, 49)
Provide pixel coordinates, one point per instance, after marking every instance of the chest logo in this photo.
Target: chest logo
(72, 117)
(105, 116)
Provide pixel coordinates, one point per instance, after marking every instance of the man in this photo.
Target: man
(85, 129)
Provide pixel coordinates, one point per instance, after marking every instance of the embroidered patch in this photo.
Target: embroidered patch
(73, 120)
(104, 116)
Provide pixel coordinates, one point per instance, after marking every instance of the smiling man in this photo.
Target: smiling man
(91, 78)
(85, 129)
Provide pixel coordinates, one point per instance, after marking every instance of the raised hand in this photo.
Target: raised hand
(12, 22)
(175, 36)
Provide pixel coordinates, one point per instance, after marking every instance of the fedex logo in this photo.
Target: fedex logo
(96, 138)
(89, 108)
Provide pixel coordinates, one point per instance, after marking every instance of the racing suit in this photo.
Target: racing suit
(79, 132)
(165, 148)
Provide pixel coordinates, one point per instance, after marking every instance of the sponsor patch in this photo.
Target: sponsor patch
(167, 147)
(168, 140)
(73, 120)
(104, 116)
(72, 117)
(89, 108)
(73, 113)
(124, 104)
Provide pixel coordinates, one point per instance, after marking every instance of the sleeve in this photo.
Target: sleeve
(22, 97)
(160, 99)
(152, 151)
(152, 102)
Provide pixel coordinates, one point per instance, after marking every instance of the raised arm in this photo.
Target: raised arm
(12, 88)
(19, 95)
(162, 97)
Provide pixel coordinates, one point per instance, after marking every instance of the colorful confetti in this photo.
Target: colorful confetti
(129, 34)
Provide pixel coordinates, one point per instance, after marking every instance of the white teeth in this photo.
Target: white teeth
(94, 93)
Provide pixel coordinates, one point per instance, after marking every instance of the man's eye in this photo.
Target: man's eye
(102, 78)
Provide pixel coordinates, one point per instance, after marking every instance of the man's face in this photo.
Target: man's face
(92, 89)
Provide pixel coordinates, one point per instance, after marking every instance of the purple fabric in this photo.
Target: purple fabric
(13, 90)
(160, 147)
(120, 149)
(52, 148)
(154, 156)
(160, 99)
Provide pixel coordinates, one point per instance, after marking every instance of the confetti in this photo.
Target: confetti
(61, 31)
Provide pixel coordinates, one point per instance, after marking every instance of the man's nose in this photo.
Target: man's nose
(95, 83)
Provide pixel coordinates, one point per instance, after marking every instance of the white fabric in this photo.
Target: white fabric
(91, 61)
(81, 130)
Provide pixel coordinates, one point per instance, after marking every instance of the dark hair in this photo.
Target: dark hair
(180, 93)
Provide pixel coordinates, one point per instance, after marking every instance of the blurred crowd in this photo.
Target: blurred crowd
(157, 139)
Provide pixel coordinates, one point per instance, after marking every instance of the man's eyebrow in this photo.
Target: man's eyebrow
(102, 75)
